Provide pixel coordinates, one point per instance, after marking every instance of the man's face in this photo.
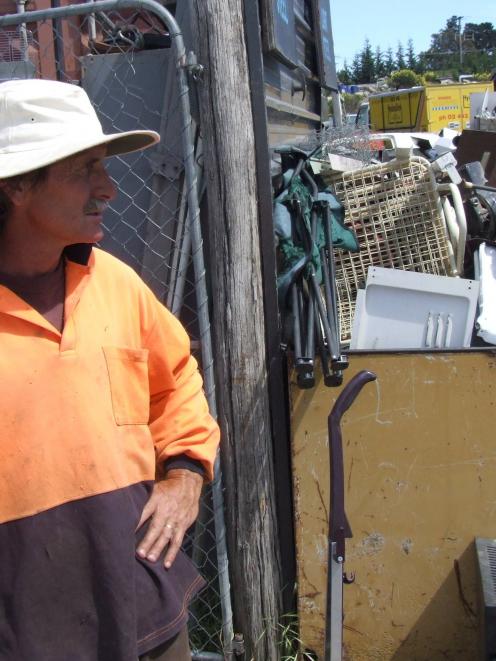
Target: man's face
(67, 206)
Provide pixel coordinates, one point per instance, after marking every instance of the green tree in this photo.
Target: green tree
(380, 68)
(404, 78)
(351, 102)
(367, 64)
(411, 60)
(400, 56)
(453, 50)
(345, 75)
(480, 37)
(468, 50)
(356, 69)
(389, 65)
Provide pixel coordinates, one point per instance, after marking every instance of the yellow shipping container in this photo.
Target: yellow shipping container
(429, 108)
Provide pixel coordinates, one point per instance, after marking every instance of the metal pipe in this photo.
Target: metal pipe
(334, 345)
(23, 34)
(58, 44)
(321, 345)
(296, 322)
(91, 25)
(310, 343)
(470, 185)
(197, 248)
(462, 226)
(204, 326)
(332, 273)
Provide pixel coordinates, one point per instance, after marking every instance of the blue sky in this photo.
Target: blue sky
(386, 23)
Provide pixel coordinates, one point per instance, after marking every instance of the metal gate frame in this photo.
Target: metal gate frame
(184, 64)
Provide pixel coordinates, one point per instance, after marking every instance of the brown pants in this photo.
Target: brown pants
(175, 649)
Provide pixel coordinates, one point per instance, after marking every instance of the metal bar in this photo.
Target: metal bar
(333, 347)
(206, 341)
(310, 344)
(339, 528)
(329, 273)
(91, 8)
(58, 45)
(312, 281)
(296, 322)
(23, 33)
(91, 25)
(205, 332)
(197, 247)
(310, 336)
(321, 345)
(334, 610)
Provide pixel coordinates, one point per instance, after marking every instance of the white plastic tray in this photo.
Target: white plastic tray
(407, 310)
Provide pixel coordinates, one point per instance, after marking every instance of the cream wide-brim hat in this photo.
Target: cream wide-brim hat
(44, 121)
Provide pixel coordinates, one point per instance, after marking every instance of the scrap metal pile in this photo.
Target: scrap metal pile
(353, 213)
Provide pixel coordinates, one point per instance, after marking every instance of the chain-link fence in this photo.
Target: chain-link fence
(133, 66)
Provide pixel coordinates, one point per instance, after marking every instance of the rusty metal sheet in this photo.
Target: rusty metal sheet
(420, 476)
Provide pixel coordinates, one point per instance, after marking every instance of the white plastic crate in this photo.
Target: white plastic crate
(396, 212)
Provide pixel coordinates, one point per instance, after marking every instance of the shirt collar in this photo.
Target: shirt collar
(79, 253)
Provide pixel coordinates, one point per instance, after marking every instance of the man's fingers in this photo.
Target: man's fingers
(155, 531)
(159, 544)
(172, 551)
(152, 547)
(146, 513)
(171, 508)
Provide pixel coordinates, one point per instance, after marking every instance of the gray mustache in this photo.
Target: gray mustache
(95, 206)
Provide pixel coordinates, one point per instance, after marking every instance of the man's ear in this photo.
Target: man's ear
(16, 190)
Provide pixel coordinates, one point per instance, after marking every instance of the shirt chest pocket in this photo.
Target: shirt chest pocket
(128, 375)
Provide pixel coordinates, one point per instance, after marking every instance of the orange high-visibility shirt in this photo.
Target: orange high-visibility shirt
(100, 406)
(87, 417)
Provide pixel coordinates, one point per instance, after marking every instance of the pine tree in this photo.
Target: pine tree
(476, 49)
(411, 60)
(356, 69)
(380, 69)
(400, 57)
(367, 63)
(389, 65)
(345, 75)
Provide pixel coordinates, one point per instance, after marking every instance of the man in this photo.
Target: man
(106, 435)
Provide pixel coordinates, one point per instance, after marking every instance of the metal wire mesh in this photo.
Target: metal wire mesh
(395, 211)
(123, 60)
(348, 140)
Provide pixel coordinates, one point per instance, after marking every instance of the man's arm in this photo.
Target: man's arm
(185, 438)
(172, 507)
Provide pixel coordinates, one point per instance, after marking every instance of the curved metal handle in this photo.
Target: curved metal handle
(349, 393)
(339, 528)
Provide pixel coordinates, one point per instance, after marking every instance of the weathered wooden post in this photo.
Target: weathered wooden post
(238, 324)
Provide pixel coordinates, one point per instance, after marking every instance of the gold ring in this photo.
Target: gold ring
(168, 525)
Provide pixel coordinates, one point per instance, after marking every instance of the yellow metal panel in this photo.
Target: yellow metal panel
(449, 105)
(393, 112)
(420, 476)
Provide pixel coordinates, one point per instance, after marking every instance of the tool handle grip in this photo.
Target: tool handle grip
(348, 395)
(339, 528)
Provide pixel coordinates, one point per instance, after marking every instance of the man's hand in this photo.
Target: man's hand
(172, 507)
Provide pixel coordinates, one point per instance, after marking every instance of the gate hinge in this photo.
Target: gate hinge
(238, 644)
(194, 69)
